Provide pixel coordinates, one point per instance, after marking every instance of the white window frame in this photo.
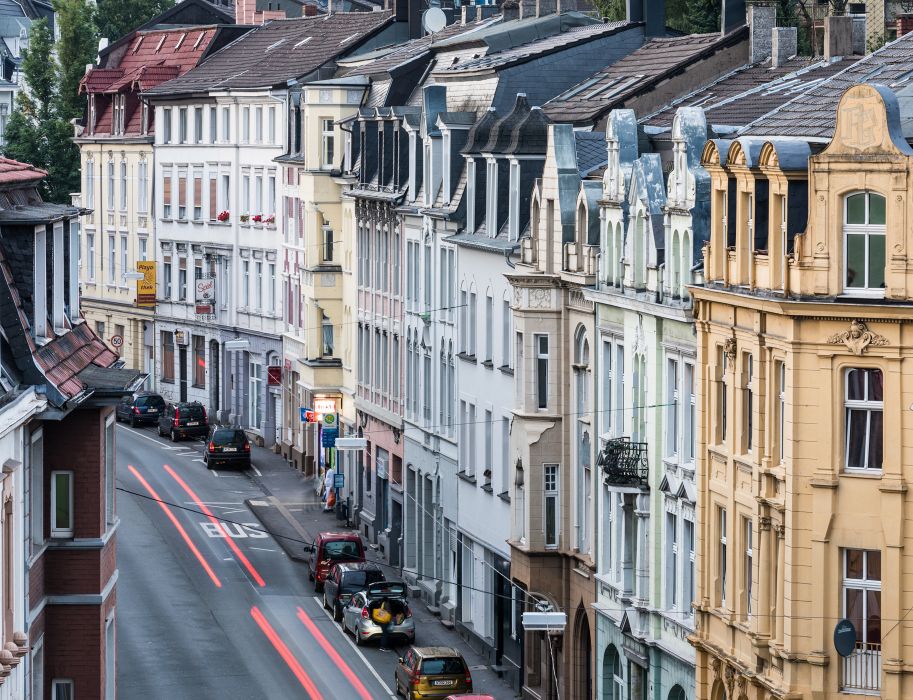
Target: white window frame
(551, 492)
(748, 567)
(722, 553)
(542, 367)
(63, 689)
(870, 406)
(868, 230)
(57, 531)
(327, 143)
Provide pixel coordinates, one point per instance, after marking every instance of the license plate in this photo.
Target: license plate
(229, 449)
(192, 423)
(152, 410)
(442, 682)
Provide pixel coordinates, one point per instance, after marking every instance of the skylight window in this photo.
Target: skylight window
(302, 42)
(199, 39)
(161, 41)
(180, 41)
(348, 39)
(617, 86)
(277, 44)
(139, 42)
(583, 86)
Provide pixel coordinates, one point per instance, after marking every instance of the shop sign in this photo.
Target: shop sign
(145, 287)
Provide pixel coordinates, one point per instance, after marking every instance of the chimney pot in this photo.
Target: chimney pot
(904, 24)
(784, 45)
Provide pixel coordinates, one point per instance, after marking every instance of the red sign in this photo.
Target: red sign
(273, 376)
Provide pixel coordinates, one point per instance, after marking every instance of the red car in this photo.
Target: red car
(332, 548)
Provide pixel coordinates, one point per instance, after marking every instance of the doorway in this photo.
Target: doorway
(215, 378)
(182, 372)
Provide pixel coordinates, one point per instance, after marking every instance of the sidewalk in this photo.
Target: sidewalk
(293, 514)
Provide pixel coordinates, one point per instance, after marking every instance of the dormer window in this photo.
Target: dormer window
(864, 244)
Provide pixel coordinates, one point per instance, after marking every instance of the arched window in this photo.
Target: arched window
(640, 246)
(677, 693)
(685, 277)
(617, 257)
(613, 682)
(675, 266)
(864, 244)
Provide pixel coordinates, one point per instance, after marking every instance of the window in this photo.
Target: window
(328, 150)
(473, 322)
(110, 656)
(747, 572)
(198, 125)
(245, 193)
(166, 125)
(142, 187)
(862, 606)
(255, 396)
(112, 259)
(182, 125)
(143, 248)
(272, 287)
(37, 669)
(688, 578)
(864, 243)
(123, 185)
(748, 401)
(506, 353)
(182, 279)
(672, 408)
(541, 348)
(111, 185)
(167, 356)
(328, 244)
(864, 404)
(505, 451)
(166, 273)
(90, 184)
(245, 291)
(721, 521)
(258, 193)
(197, 195)
(671, 561)
(258, 124)
(722, 395)
(124, 264)
(258, 284)
(607, 378)
(166, 193)
(489, 327)
(35, 482)
(489, 470)
(271, 125)
(245, 124)
(226, 124)
(90, 256)
(688, 430)
(62, 690)
(213, 125)
(61, 504)
(271, 194)
(781, 409)
(550, 490)
(182, 194)
(199, 361)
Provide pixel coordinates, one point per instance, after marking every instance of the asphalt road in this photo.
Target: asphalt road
(211, 609)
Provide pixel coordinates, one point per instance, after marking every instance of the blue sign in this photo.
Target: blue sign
(339, 481)
(328, 437)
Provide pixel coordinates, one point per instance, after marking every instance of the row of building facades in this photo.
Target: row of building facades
(612, 306)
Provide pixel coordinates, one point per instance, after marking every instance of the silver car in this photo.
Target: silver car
(357, 615)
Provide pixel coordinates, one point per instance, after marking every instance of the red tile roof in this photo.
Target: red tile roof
(13, 171)
(66, 355)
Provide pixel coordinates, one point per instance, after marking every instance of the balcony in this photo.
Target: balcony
(624, 463)
(861, 671)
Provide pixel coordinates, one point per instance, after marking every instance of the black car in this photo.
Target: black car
(180, 420)
(345, 580)
(227, 446)
(140, 408)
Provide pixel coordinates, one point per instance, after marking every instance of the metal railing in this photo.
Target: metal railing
(861, 671)
(624, 463)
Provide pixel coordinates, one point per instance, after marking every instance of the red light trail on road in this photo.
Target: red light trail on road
(334, 655)
(286, 654)
(180, 528)
(231, 543)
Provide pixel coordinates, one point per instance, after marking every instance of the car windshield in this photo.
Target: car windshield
(228, 437)
(356, 580)
(344, 549)
(191, 411)
(447, 666)
(150, 401)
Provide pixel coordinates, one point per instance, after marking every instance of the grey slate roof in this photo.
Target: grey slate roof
(812, 113)
(10, 8)
(591, 151)
(745, 94)
(278, 51)
(653, 62)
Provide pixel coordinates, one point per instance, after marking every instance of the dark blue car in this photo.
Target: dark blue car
(142, 408)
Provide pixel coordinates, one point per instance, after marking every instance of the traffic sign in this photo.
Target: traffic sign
(117, 341)
(339, 481)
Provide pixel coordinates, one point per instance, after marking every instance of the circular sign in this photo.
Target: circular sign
(117, 341)
(434, 20)
(329, 420)
(845, 637)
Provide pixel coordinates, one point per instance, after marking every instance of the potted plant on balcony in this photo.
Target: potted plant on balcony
(223, 216)
(270, 220)
(257, 218)
(245, 218)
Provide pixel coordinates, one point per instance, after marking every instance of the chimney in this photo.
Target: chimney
(784, 45)
(904, 24)
(310, 10)
(509, 10)
(527, 8)
(464, 14)
(654, 17)
(548, 7)
(732, 15)
(838, 37)
(634, 10)
(762, 18)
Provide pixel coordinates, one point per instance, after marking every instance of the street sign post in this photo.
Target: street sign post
(117, 341)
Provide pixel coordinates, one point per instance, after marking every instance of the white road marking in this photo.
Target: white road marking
(256, 471)
(262, 549)
(361, 656)
(213, 472)
(199, 460)
(234, 530)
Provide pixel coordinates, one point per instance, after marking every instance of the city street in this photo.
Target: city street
(215, 608)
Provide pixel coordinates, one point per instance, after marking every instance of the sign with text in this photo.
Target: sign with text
(329, 420)
(328, 437)
(308, 415)
(274, 375)
(145, 288)
(339, 481)
(206, 296)
(325, 405)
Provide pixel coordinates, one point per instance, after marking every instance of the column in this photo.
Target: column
(642, 565)
(779, 575)
(765, 564)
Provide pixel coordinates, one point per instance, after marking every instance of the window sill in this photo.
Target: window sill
(504, 496)
(467, 357)
(489, 364)
(875, 474)
(506, 369)
(487, 488)
(468, 478)
(167, 381)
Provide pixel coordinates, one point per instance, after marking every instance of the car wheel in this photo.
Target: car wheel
(337, 613)
(325, 606)
(358, 640)
(174, 435)
(396, 685)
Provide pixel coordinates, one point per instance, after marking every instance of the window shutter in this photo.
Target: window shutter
(198, 191)
(182, 191)
(167, 189)
(213, 200)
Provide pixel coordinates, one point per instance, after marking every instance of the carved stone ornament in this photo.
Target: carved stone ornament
(540, 298)
(715, 666)
(858, 338)
(730, 678)
(729, 349)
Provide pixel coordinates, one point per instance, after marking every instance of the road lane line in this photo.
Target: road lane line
(361, 656)
(286, 654)
(334, 655)
(231, 543)
(256, 471)
(180, 528)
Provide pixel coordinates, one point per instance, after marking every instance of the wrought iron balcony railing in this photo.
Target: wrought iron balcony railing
(862, 670)
(624, 463)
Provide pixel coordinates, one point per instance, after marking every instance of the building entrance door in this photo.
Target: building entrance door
(182, 372)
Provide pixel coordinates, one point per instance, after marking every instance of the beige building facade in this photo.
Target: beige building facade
(804, 348)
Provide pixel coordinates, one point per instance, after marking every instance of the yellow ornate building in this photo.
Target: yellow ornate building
(805, 347)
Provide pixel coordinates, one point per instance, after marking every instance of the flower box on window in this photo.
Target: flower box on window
(256, 218)
(245, 218)
(270, 220)
(223, 216)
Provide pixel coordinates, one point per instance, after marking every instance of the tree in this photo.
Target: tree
(118, 17)
(76, 47)
(614, 10)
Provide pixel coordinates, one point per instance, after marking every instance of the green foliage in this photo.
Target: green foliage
(76, 47)
(694, 16)
(118, 17)
(612, 10)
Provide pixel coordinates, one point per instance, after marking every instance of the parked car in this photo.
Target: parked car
(357, 615)
(181, 420)
(344, 580)
(140, 408)
(432, 672)
(469, 696)
(330, 548)
(227, 446)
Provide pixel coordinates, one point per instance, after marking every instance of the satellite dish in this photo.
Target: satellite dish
(434, 20)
